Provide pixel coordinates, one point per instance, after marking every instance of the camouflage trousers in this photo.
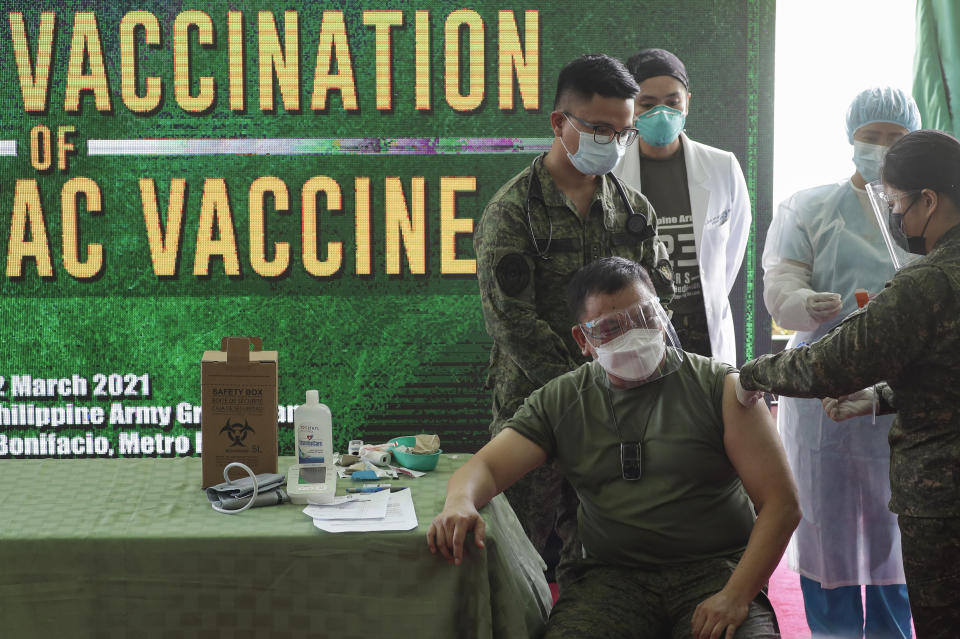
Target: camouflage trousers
(931, 562)
(603, 600)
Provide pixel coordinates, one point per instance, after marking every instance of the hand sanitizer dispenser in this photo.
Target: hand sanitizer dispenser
(314, 478)
(312, 424)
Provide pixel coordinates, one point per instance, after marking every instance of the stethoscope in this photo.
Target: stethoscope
(636, 222)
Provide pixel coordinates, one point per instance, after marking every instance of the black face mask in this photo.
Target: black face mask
(895, 226)
(911, 243)
(916, 243)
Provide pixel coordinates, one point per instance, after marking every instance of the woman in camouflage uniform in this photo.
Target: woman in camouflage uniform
(906, 344)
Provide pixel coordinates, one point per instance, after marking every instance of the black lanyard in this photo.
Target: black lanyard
(630, 451)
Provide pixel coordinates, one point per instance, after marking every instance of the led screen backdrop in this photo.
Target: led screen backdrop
(308, 172)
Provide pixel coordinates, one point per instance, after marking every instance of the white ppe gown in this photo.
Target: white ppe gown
(847, 535)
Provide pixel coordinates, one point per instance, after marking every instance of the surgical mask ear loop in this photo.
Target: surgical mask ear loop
(226, 477)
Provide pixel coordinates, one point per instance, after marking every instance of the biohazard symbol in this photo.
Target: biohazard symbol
(237, 432)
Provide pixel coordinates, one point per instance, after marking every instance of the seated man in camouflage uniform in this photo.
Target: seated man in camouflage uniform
(562, 212)
(669, 468)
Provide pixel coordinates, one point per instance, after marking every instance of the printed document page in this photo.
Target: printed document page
(400, 515)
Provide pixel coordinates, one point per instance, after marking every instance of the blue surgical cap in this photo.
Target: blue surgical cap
(882, 104)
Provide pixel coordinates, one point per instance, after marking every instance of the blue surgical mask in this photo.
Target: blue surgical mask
(660, 125)
(868, 158)
(593, 158)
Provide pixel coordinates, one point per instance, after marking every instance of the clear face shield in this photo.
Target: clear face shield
(636, 344)
(890, 223)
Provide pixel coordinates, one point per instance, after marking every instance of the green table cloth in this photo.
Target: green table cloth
(131, 548)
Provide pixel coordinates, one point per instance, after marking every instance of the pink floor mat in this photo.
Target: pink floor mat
(787, 601)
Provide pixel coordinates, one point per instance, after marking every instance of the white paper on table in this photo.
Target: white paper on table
(401, 515)
(365, 506)
(337, 501)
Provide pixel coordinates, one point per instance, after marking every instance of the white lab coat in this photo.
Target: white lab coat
(720, 208)
(847, 535)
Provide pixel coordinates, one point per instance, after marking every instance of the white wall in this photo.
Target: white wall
(827, 51)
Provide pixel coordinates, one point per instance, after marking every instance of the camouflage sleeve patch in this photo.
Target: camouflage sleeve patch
(513, 274)
(662, 277)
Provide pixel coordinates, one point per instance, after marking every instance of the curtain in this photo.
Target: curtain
(936, 65)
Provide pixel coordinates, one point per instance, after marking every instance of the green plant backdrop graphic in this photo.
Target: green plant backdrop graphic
(390, 354)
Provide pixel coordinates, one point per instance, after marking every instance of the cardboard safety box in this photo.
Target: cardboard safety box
(238, 408)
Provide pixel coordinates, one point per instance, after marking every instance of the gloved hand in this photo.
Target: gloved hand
(823, 306)
(847, 406)
(791, 301)
(745, 397)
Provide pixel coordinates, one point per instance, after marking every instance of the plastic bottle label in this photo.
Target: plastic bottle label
(311, 449)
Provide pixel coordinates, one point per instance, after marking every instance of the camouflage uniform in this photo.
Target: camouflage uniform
(693, 333)
(605, 600)
(523, 290)
(909, 335)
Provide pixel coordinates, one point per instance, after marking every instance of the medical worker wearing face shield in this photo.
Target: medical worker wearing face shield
(701, 199)
(824, 243)
(903, 350)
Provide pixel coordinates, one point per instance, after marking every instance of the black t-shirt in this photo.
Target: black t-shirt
(664, 182)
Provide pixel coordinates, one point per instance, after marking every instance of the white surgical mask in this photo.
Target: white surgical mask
(593, 158)
(633, 356)
(868, 158)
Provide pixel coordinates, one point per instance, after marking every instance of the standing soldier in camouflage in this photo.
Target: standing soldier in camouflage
(562, 212)
(906, 343)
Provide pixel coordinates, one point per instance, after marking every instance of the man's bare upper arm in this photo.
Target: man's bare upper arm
(755, 450)
(510, 456)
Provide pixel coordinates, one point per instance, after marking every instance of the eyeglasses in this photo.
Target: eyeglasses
(892, 200)
(605, 134)
(896, 219)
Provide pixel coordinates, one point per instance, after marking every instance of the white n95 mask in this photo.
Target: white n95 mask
(633, 356)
